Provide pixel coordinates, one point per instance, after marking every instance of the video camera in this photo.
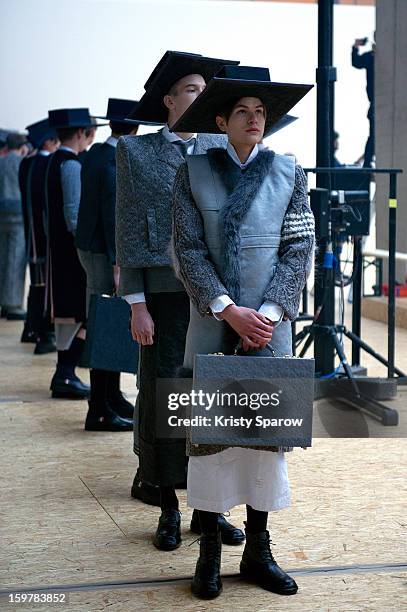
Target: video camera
(345, 208)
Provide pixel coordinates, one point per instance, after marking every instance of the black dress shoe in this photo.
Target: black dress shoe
(259, 566)
(45, 344)
(168, 534)
(106, 421)
(123, 407)
(69, 388)
(28, 337)
(230, 534)
(16, 315)
(145, 492)
(207, 583)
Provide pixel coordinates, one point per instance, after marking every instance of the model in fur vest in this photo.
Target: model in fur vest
(243, 241)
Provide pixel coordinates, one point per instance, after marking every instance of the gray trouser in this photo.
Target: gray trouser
(99, 274)
(12, 260)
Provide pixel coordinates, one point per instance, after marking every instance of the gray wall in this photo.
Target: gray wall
(391, 117)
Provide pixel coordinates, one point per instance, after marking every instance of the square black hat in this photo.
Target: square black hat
(232, 83)
(172, 67)
(71, 118)
(118, 109)
(39, 132)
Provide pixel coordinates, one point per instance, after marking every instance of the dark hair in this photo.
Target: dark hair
(54, 140)
(121, 128)
(15, 141)
(66, 133)
(228, 106)
(69, 132)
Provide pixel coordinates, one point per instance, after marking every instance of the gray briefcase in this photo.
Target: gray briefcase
(252, 401)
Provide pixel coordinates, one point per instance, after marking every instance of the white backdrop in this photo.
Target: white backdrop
(58, 53)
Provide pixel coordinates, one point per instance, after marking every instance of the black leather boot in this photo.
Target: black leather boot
(207, 583)
(101, 418)
(45, 344)
(145, 491)
(69, 388)
(115, 397)
(168, 534)
(259, 566)
(231, 535)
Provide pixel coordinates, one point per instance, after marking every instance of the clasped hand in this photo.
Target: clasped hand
(254, 328)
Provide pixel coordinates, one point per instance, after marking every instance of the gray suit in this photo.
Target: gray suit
(146, 170)
(12, 240)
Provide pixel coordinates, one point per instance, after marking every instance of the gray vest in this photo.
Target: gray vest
(260, 235)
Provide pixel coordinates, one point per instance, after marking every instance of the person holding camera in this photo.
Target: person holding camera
(366, 61)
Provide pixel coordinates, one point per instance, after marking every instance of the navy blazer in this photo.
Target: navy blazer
(96, 221)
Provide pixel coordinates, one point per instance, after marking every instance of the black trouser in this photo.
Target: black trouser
(41, 318)
(162, 461)
(370, 144)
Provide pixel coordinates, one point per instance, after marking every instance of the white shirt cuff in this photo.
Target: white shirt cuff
(135, 298)
(272, 311)
(219, 304)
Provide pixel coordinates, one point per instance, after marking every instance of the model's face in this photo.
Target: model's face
(183, 93)
(91, 136)
(24, 150)
(246, 123)
(51, 145)
(82, 139)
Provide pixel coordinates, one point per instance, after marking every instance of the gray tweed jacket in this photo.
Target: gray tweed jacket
(146, 170)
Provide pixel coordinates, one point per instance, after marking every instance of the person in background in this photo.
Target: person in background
(3, 142)
(366, 61)
(146, 169)
(66, 279)
(32, 170)
(95, 241)
(89, 141)
(12, 242)
(335, 148)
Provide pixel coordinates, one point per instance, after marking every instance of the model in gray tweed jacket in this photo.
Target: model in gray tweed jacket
(146, 169)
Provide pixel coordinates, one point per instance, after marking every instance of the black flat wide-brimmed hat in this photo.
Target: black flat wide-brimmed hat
(72, 118)
(39, 132)
(118, 109)
(172, 67)
(281, 124)
(233, 83)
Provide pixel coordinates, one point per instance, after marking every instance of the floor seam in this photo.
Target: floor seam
(104, 509)
(156, 582)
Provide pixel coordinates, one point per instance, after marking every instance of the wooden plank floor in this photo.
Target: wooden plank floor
(67, 517)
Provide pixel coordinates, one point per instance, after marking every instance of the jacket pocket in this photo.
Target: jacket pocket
(152, 230)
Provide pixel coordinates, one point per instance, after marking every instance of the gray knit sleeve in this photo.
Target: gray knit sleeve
(71, 192)
(296, 250)
(191, 259)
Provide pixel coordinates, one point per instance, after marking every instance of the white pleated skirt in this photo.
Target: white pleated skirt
(217, 483)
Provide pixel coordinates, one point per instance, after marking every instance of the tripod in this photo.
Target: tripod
(351, 384)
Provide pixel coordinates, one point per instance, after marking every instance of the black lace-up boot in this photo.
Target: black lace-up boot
(168, 534)
(259, 566)
(206, 583)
